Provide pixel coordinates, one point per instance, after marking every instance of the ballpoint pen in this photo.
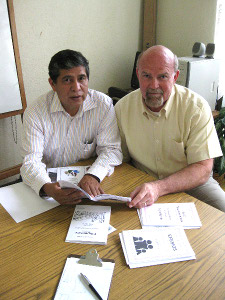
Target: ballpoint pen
(87, 282)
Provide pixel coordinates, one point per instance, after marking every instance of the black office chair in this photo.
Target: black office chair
(117, 93)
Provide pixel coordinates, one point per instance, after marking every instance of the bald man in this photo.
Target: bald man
(168, 131)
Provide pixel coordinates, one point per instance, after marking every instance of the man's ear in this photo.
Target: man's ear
(52, 84)
(137, 73)
(176, 75)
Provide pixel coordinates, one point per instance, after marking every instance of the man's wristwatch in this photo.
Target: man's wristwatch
(42, 193)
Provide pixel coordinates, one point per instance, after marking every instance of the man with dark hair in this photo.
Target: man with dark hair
(68, 124)
(66, 59)
(168, 131)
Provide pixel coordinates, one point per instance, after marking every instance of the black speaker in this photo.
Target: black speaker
(134, 79)
(210, 49)
(198, 49)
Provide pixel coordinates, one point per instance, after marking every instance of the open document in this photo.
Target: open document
(72, 174)
(67, 184)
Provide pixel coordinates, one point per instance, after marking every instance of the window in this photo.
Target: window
(220, 45)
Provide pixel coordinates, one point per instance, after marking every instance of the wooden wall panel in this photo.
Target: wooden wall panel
(149, 28)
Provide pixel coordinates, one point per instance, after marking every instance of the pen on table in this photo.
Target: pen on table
(87, 281)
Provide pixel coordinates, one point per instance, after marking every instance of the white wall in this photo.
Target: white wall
(181, 23)
(107, 32)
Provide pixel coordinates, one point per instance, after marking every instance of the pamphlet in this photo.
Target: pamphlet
(170, 214)
(89, 225)
(155, 245)
(67, 184)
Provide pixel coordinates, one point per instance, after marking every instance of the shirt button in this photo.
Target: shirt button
(146, 115)
(157, 141)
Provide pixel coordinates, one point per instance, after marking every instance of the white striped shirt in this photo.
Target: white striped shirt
(52, 138)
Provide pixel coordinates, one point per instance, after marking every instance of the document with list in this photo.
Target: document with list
(89, 225)
(170, 214)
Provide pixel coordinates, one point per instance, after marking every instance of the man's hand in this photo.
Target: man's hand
(144, 195)
(63, 196)
(187, 178)
(91, 185)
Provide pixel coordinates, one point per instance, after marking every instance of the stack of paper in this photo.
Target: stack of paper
(170, 214)
(89, 225)
(156, 245)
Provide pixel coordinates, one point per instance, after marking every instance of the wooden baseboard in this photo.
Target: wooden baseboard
(10, 172)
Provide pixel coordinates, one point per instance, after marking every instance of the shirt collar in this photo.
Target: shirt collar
(168, 106)
(55, 104)
(89, 103)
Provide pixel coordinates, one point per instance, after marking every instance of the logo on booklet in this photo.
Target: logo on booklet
(89, 216)
(141, 245)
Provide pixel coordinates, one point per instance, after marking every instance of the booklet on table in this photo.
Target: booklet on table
(155, 245)
(170, 214)
(89, 225)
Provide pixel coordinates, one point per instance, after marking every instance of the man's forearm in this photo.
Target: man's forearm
(34, 175)
(105, 162)
(188, 178)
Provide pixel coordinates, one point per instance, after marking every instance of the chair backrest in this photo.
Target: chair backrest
(134, 79)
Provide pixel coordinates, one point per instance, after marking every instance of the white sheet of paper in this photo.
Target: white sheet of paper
(22, 203)
(72, 287)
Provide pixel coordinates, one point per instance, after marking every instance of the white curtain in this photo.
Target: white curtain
(220, 45)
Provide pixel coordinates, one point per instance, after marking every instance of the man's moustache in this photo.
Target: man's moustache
(154, 92)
